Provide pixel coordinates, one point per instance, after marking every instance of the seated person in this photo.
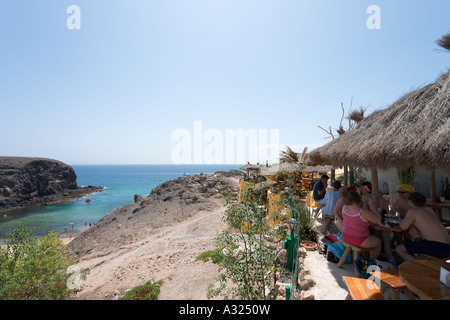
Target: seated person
(357, 221)
(319, 190)
(338, 221)
(435, 239)
(367, 193)
(401, 206)
(330, 200)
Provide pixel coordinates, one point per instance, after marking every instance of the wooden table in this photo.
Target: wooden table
(422, 277)
(438, 206)
(385, 229)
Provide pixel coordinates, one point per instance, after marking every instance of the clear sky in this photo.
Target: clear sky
(137, 75)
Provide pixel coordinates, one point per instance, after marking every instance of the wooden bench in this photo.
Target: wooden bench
(362, 289)
(351, 248)
(327, 222)
(390, 279)
(423, 256)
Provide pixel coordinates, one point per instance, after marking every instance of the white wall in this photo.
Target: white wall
(421, 180)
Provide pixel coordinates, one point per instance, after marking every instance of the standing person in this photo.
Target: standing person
(435, 239)
(357, 221)
(319, 190)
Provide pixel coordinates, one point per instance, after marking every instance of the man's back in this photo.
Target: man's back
(429, 226)
(318, 186)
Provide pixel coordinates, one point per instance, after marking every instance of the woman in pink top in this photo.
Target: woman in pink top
(357, 222)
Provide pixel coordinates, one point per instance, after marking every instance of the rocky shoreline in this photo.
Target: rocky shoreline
(29, 182)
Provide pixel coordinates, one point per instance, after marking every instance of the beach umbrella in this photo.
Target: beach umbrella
(250, 167)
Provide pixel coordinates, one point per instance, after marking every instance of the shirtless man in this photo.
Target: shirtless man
(435, 239)
(401, 206)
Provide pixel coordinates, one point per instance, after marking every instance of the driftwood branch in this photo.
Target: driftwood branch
(329, 131)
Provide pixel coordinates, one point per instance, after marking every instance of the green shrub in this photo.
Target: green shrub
(216, 256)
(33, 269)
(148, 291)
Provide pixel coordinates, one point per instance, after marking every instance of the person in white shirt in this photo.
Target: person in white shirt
(331, 197)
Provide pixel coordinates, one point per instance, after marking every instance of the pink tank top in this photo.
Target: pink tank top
(355, 226)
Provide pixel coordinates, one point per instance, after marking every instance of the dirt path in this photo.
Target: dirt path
(169, 255)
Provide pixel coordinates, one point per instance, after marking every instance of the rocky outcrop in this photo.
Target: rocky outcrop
(167, 205)
(26, 182)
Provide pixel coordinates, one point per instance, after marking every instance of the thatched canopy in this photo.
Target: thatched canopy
(317, 169)
(288, 167)
(250, 167)
(444, 42)
(414, 131)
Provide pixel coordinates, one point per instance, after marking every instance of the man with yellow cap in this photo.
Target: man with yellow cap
(401, 206)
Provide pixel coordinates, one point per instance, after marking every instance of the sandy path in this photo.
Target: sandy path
(169, 255)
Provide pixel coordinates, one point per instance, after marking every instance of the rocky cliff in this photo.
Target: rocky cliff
(26, 182)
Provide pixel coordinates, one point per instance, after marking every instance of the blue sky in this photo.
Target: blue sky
(115, 90)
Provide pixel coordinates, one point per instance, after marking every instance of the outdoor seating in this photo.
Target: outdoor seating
(423, 278)
(390, 279)
(423, 256)
(362, 289)
(356, 253)
(327, 222)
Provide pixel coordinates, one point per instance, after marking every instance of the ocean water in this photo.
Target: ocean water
(121, 183)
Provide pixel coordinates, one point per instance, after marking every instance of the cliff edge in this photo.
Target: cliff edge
(26, 182)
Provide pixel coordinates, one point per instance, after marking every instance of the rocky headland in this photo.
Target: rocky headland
(28, 182)
(157, 237)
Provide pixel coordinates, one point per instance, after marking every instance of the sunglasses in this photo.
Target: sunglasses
(402, 191)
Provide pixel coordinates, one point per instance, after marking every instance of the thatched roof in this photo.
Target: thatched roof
(444, 42)
(249, 166)
(414, 131)
(317, 169)
(289, 167)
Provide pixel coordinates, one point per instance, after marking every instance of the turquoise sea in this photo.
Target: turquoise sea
(121, 183)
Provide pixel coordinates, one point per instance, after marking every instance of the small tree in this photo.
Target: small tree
(33, 269)
(248, 265)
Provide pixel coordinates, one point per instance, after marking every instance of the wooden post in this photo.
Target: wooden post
(375, 190)
(433, 185)
(351, 177)
(345, 176)
(434, 194)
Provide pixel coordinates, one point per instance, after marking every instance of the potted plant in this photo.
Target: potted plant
(307, 230)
